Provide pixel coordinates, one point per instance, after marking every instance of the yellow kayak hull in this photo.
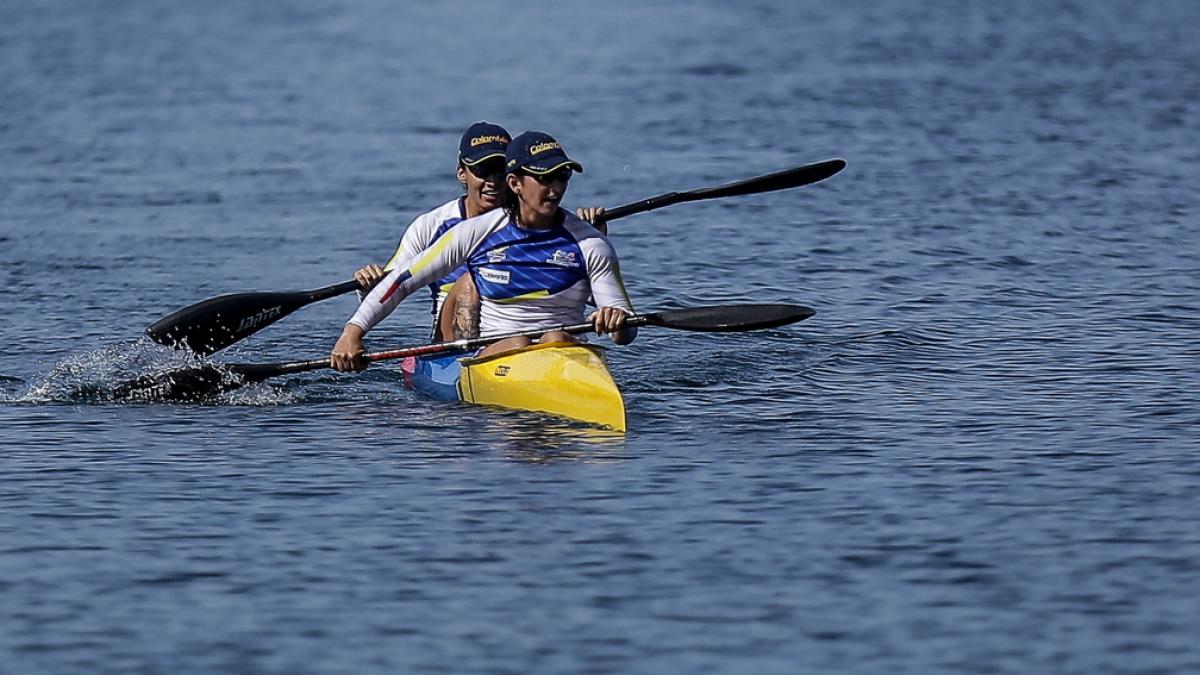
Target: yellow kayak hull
(559, 378)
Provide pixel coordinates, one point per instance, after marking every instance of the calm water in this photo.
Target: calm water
(979, 456)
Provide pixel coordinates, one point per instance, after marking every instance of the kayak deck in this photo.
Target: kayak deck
(559, 378)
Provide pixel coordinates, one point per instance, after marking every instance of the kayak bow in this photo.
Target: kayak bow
(558, 378)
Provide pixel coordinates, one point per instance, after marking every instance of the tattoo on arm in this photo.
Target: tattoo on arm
(466, 321)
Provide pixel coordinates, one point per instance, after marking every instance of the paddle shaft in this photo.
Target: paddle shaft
(216, 323)
(265, 370)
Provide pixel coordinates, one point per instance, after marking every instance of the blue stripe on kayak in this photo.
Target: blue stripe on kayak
(437, 376)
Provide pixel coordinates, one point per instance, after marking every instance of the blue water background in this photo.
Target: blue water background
(979, 456)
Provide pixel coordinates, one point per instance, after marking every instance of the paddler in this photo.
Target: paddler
(481, 172)
(534, 263)
(455, 300)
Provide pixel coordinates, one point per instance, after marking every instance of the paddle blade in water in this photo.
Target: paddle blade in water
(208, 381)
(183, 384)
(730, 318)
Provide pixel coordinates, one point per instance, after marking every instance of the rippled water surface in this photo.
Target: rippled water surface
(979, 456)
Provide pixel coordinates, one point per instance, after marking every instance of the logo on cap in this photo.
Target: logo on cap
(543, 147)
(481, 140)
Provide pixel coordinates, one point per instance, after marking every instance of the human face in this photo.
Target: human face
(539, 195)
(483, 185)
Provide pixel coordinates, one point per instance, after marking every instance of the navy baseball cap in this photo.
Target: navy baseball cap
(482, 141)
(537, 153)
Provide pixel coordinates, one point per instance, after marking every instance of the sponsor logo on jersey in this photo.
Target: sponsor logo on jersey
(494, 276)
(563, 259)
(497, 254)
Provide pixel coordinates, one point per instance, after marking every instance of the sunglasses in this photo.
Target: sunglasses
(561, 176)
(488, 169)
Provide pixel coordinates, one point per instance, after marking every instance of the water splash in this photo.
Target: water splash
(139, 372)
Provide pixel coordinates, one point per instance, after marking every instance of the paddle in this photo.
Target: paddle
(203, 382)
(216, 323)
(780, 180)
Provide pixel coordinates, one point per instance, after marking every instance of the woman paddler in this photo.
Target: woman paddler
(481, 172)
(455, 300)
(534, 263)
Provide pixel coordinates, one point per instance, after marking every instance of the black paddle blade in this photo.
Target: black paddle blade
(216, 323)
(780, 180)
(206, 382)
(730, 318)
(183, 384)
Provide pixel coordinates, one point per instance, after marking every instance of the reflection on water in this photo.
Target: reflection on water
(526, 437)
(436, 431)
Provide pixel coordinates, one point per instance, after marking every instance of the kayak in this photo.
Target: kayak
(559, 378)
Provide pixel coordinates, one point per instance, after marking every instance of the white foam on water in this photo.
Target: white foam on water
(92, 376)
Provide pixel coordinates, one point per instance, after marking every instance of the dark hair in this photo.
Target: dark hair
(509, 201)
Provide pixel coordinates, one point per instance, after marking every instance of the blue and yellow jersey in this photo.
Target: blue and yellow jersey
(527, 279)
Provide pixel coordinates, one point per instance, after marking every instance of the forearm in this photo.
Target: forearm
(380, 302)
(347, 353)
(352, 332)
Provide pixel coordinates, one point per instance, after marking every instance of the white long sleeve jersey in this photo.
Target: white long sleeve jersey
(421, 233)
(527, 279)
